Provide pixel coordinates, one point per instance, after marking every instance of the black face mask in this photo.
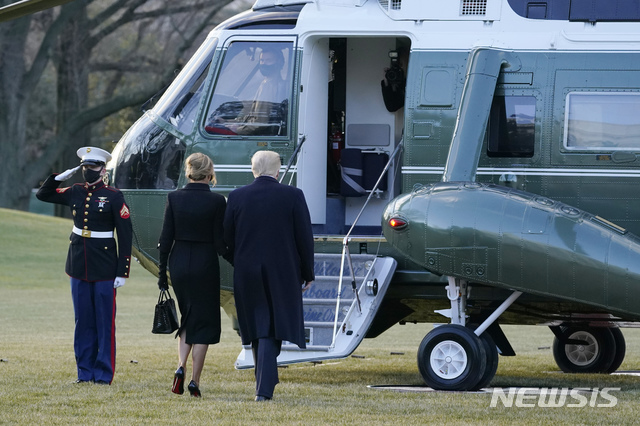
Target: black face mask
(269, 70)
(91, 176)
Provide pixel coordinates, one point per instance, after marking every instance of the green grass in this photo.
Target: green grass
(37, 368)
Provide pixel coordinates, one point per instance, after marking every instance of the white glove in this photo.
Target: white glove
(67, 174)
(118, 282)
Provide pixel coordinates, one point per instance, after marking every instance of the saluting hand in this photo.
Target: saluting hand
(67, 174)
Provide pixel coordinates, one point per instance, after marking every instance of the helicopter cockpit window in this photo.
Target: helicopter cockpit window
(511, 131)
(253, 92)
(148, 157)
(602, 121)
(179, 104)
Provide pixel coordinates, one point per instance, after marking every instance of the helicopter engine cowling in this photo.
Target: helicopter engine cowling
(508, 238)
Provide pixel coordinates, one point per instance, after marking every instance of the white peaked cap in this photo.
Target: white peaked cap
(92, 156)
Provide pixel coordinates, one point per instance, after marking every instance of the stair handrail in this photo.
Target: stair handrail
(292, 158)
(345, 245)
(375, 187)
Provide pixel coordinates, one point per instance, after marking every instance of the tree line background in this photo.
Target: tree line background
(78, 74)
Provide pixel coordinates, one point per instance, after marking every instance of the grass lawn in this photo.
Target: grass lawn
(37, 365)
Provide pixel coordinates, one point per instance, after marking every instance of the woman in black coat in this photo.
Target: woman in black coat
(191, 241)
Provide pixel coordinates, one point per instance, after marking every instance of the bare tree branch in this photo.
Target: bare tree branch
(56, 145)
(107, 13)
(203, 24)
(137, 66)
(130, 16)
(42, 57)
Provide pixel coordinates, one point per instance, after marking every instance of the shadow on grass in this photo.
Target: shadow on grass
(558, 379)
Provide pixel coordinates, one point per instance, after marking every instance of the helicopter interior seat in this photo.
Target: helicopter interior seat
(362, 165)
(351, 173)
(360, 170)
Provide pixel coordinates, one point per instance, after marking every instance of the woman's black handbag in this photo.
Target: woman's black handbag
(165, 319)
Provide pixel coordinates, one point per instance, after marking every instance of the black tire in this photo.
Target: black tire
(621, 349)
(451, 357)
(594, 357)
(492, 361)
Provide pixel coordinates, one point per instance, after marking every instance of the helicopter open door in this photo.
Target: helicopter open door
(341, 105)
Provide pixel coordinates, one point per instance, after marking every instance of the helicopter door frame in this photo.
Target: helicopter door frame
(333, 212)
(312, 123)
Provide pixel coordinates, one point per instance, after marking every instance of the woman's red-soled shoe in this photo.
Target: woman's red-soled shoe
(178, 381)
(193, 389)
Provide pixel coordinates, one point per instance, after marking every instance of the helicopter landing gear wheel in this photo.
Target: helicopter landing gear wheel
(451, 357)
(492, 361)
(584, 349)
(621, 349)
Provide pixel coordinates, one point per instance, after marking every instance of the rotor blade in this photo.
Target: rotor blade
(25, 7)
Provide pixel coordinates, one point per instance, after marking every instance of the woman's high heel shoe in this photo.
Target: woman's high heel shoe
(193, 389)
(178, 381)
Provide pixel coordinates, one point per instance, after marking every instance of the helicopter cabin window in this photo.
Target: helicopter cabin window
(253, 91)
(511, 131)
(179, 104)
(602, 121)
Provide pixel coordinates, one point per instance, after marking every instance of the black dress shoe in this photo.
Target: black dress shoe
(194, 390)
(178, 381)
(262, 398)
(80, 381)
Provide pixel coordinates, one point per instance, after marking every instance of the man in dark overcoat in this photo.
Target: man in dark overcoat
(267, 228)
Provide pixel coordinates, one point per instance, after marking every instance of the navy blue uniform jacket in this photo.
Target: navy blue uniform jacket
(267, 228)
(95, 208)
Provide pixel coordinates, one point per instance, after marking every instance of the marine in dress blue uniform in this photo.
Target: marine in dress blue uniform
(95, 264)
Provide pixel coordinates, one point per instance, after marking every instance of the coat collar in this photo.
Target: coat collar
(197, 186)
(95, 186)
(265, 179)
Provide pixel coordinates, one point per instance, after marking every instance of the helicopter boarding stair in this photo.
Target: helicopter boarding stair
(328, 335)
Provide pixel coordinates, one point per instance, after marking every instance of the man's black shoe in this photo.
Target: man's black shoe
(262, 398)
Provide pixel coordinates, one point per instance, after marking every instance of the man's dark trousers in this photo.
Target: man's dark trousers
(265, 354)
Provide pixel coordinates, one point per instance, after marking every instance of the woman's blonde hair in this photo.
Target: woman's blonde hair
(265, 163)
(198, 166)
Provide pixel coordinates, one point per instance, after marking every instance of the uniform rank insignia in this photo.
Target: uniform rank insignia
(124, 212)
(61, 190)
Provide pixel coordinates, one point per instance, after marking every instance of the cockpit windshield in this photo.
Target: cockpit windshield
(253, 92)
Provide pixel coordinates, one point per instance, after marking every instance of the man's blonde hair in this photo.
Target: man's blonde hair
(198, 166)
(265, 163)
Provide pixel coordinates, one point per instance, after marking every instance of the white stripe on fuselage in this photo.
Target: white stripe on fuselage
(411, 170)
